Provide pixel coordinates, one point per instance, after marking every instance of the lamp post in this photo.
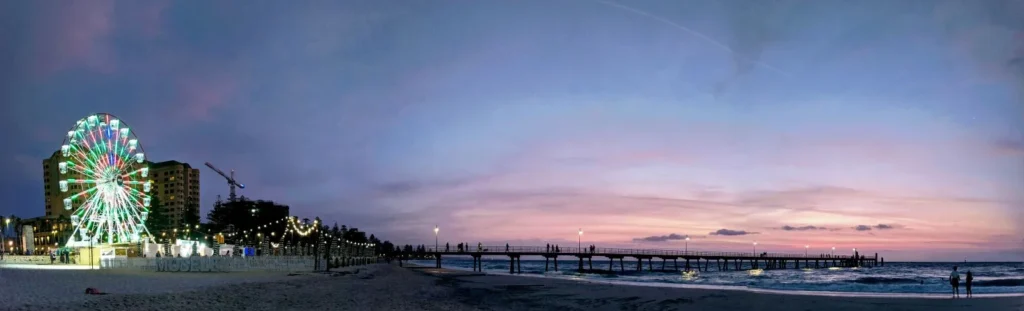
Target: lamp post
(833, 252)
(755, 248)
(806, 247)
(686, 249)
(579, 241)
(435, 237)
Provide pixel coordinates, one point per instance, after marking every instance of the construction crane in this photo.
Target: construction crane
(231, 181)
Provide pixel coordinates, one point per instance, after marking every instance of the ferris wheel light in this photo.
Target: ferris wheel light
(110, 205)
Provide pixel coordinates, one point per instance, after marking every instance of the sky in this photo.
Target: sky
(894, 127)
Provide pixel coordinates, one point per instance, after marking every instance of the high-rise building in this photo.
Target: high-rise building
(54, 198)
(176, 185)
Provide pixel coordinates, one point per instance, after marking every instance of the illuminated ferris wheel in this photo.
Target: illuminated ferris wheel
(104, 175)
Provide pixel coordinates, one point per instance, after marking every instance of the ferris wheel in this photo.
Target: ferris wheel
(104, 174)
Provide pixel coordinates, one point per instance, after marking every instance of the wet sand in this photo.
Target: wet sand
(389, 287)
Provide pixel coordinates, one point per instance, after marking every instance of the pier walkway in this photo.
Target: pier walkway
(722, 261)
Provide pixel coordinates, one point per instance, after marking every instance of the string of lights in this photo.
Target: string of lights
(292, 225)
(303, 230)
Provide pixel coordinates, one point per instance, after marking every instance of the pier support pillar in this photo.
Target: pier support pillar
(581, 264)
(663, 261)
(545, 263)
(590, 262)
(675, 264)
(622, 265)
(687, 265)
(611, 264)
(650, 266)
(511, 265)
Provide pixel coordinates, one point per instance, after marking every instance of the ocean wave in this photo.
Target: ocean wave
(884, 280)
(1000, 283)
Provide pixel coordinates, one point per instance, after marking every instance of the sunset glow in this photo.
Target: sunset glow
(523, 121)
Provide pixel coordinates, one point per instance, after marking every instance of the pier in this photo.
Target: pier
(667, 259)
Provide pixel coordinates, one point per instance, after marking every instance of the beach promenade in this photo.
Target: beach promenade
(701, 260)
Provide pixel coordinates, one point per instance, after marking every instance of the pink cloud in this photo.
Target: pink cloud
(202, 94)
(491, 209)
(74, 34)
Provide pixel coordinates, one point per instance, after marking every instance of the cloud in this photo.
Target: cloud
(662, 238)
(201, 94)
(74, 34)
(802, 228)
(1009, 147)
(727, 232)
(877, 227)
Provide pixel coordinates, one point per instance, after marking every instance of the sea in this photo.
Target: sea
(894, 277)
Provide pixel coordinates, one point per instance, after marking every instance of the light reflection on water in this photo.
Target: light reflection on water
(924, 278)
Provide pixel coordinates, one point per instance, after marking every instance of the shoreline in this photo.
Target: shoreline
(738, 288)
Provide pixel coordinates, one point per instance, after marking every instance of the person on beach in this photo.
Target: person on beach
(969, 280)
(954, 280)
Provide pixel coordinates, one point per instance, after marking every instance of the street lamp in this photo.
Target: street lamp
(686, 250)
(579, 241)
(755, 248)
(435, 237)
(833, 251)
(805, 249)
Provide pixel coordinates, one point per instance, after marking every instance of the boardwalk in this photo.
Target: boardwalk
(722, 261)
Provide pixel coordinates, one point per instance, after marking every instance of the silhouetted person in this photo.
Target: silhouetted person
(547, 249)
(969, 280)
(954, 280)
(506, 247)
(445, 247)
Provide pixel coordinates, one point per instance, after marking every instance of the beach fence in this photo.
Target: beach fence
(212, 264)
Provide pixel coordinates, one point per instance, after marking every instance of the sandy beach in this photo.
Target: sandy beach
(389, 287)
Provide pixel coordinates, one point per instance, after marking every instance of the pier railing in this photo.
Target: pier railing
(603, 251)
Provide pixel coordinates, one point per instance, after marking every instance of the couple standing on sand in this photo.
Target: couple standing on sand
(954, 280)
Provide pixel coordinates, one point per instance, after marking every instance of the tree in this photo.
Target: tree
(19, 230)
(191, 217)
(157, 221)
